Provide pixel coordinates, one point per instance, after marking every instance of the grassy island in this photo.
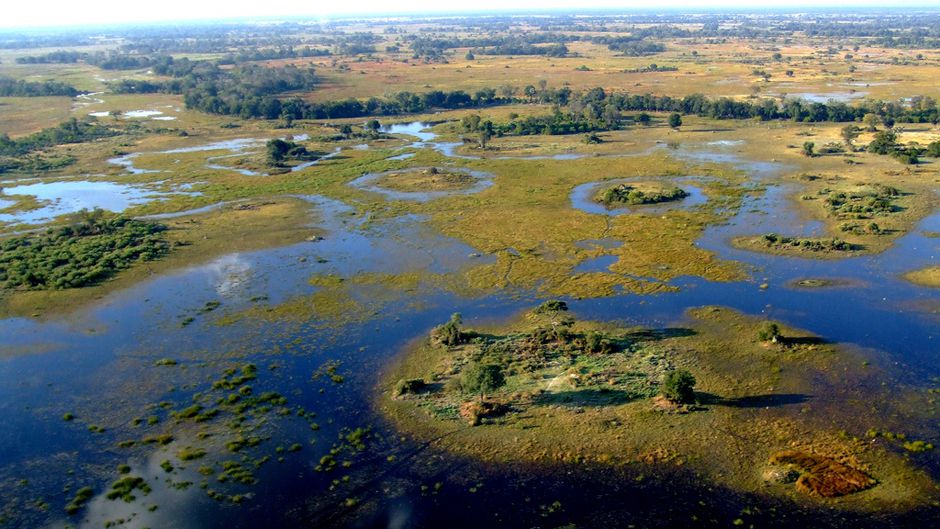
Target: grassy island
(739, 400)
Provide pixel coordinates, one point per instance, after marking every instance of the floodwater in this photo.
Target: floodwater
(98, 363)
(61, 198)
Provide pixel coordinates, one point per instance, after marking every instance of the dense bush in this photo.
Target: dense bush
(627, 194)
(450, 333)
(78, 255)
(678, 387)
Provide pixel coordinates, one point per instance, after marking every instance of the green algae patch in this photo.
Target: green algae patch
(928, 277)
(581, 392)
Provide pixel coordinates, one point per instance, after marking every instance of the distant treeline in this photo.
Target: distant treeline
(525, 44)
(249, 91)
(924, 110)
(105, 61)
(632, 46)
(18, 88)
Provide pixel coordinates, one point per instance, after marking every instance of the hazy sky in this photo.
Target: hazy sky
(19, 13)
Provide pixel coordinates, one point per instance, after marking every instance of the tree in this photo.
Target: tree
(871, 122)
(808, 148)
(644, 119)
(678, 386)
(486, 132)
(849, 133)
(346, 131)
(675, 120)
(277, 150)
(482, 379)
(373, 125)
(769, 332)
(884, 142)
(469, 56)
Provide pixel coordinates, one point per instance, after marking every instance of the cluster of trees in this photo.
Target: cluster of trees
(270, 54)
(71, 131)
(632, 46)
(81, 254)
(280, 151)
(627, 194)
(923, 110)
(517, 44)
(55, 57)
(558, 123)
(248, 91)
(19, 88)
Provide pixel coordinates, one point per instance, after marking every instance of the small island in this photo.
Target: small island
(928, 277)
(723, 397)
(640, 193)
(427, 179)
(783, 245)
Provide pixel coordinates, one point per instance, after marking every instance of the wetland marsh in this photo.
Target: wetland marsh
(417, 312)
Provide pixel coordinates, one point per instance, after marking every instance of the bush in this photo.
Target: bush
(449, 333)
(553, 305)
(678, 387)
(409, 385)
(768, 332)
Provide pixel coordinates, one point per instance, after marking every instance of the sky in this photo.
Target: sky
(22, 14)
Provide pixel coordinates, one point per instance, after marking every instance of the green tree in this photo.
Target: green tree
(884, 142)
(808, 148)
(871, 122)
(482, 379)
(373, 125)
(768, 332)
(449, 333)
(644, 119)
(675, 120)
(486, 132)
(678, 386)
(849, 133)
(277, 150)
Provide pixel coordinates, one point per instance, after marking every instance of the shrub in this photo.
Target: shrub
(409, 385)
(553, 305)
(768, 332)
(678, 386)
(449, 333)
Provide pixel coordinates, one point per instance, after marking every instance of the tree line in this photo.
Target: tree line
(10, 87)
